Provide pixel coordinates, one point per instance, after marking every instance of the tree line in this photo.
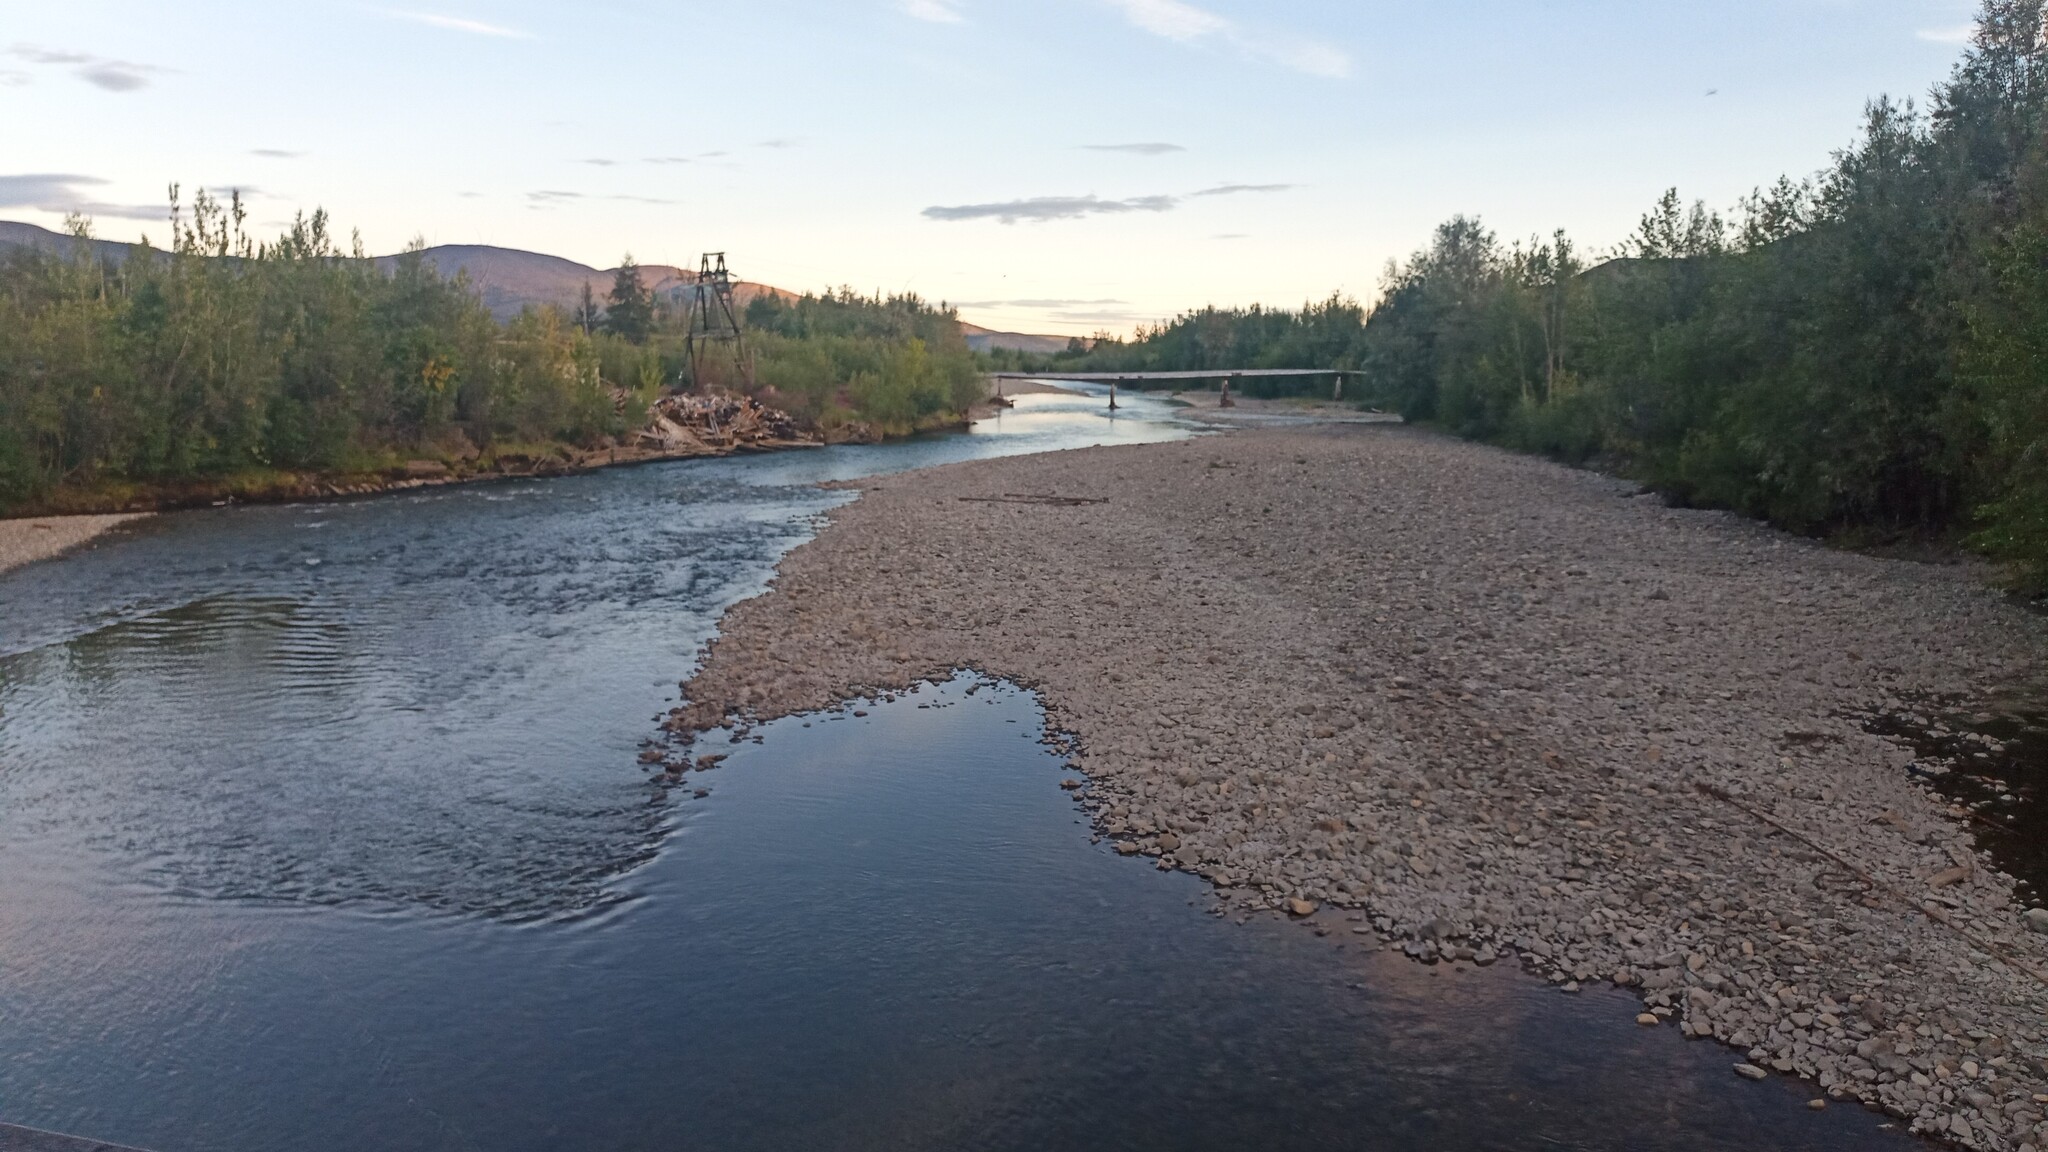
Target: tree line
(222, 356)
(1861, 352)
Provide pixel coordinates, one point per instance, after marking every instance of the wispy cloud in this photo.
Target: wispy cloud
(1960, 34)
(549, 198)
(100, 72)
(1040, 209)
(275, 153)
(462, 24)
(1230, 236)
(13, 77)
(668, 159)
(1152, 149)
(1172, 19)
(114, 76)
(932, 11)
(1237, 189)
(781, 143)
(35, 55)
(63, 192)
(1187, 24)
(600, 162)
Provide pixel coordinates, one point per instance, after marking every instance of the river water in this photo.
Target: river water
(321, 828)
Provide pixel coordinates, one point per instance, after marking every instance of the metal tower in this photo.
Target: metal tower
(714, 320)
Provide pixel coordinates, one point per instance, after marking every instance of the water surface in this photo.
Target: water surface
(321, 828)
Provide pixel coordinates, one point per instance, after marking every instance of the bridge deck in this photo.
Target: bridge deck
(1208, 374)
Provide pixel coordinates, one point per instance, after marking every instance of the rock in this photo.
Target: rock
(1126, 848)
(1647, 1020)
(1070, 784)
(2037, 919)
(1817, 1104)
(1750, 1072)
(1168, 842)
(1296, 906)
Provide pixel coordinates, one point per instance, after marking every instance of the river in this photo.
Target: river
(321, 827)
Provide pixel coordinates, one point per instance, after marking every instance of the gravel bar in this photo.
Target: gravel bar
(27, 541)
(1508, 709)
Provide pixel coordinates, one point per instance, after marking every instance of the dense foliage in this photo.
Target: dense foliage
(1321, 335)
(225, 358)
(1865, 351)
(895, 363)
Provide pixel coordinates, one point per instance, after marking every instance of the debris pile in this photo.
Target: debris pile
(677, 423)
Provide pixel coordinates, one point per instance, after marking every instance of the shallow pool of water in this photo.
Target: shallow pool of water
(321, 828)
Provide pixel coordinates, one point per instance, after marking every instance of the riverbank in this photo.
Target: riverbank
(27, 541)
(1505, 709)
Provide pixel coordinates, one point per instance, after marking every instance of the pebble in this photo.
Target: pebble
(1750, 1072)
(1461, 713)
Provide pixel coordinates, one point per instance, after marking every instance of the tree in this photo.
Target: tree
(631, 314)
(586, 311)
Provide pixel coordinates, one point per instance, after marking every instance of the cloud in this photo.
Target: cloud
(112, 75)
(639, 199)
(552, 197)
(13, 77)
(668, 159)
(275, 154)
(601, 162)
(459, 24)
(59, 192)
(1231, 236)
(780, 143)
(1235, 189)
(1186, 24)
(932, 11)
(1172, 19)
(1040, 209)
(35, 55)
(1960, 34)
(1135, 149)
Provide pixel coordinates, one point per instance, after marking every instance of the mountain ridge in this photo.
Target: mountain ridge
(509, 280)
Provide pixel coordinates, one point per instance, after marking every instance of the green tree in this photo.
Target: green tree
(630, 310)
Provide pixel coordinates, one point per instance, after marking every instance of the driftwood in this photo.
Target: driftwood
(1876, 887)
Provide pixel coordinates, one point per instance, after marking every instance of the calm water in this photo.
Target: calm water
(321, 828)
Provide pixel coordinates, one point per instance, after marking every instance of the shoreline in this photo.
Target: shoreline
(1503, 708)
(28, 540)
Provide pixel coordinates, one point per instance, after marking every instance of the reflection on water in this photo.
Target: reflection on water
(429, 700)
(320, 829)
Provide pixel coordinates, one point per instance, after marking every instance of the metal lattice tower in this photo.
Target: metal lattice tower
(715, 320)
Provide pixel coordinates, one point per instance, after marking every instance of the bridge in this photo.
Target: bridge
(1231, 377)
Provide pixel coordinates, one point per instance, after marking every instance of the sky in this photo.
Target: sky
(1061, 166)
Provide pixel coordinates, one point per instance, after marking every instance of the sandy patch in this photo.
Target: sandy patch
(27, 541)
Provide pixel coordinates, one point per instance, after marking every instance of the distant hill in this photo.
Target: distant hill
(509, 279)
(13, 235)
(982, 339)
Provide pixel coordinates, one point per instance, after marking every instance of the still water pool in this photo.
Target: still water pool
(321, 828)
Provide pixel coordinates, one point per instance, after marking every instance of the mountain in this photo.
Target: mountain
(509, 279)
(982, 339)
(13, 235)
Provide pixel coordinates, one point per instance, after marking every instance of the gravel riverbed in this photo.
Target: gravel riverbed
(40, 538)
(1508, 710)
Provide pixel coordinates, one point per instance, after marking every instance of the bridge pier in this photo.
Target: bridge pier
(1227, 402)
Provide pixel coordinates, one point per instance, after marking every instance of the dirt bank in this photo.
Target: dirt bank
(27, 541)
(1506, 708)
